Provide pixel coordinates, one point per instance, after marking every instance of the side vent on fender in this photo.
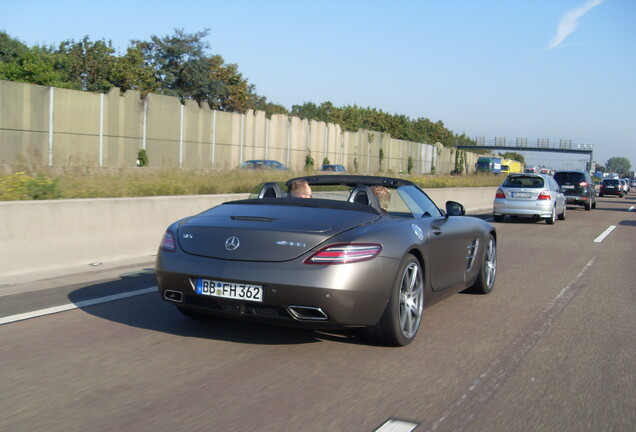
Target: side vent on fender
(472, 252)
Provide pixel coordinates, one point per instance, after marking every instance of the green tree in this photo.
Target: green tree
(35, 65)
(311, 111)
(183, 68)
(235, 93)
(10, 49)
(179, 64)
(463, 139)
(600, 168)
(261, 103)
(618, 165)
(130, 72)
(88, 64)
(514, 156)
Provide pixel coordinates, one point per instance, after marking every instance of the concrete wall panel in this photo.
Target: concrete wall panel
(163, 131)
(24, 117)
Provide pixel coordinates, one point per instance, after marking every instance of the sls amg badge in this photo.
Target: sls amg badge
(288, 243)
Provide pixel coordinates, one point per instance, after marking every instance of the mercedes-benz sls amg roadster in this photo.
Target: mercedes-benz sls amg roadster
(359, 252)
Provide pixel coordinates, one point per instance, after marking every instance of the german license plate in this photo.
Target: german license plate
(237, 291)
(520, 194)
(567, 187)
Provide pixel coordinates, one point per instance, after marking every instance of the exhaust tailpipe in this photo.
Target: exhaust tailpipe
(173, 296)
(307, 313)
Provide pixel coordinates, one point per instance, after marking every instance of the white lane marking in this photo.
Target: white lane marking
(71, 306)
(394, 425)
(482, 389)
(605, 234)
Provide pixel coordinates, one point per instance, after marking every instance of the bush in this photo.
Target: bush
(309, 162)
(142, 158)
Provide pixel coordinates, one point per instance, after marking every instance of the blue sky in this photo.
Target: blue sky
(558, 69)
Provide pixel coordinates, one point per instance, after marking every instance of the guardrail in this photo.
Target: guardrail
(39, 236)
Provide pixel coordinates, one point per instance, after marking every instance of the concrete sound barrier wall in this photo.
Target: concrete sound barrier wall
(37, 236)
(46, 126)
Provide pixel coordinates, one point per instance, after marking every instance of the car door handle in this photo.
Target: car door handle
(436, 230)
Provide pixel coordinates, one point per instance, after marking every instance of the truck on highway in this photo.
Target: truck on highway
(509, 166)
(488, 164)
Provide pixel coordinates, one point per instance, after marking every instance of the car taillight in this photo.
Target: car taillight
(168, 244)
(584, 184)
(544, 195)
(345, 253)
(500, 194)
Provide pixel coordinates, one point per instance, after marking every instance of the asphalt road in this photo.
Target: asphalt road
(552, 348)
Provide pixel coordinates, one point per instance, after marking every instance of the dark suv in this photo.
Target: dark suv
(611, 187)
(578, 188)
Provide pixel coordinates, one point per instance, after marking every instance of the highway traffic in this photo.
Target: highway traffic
(551, 348)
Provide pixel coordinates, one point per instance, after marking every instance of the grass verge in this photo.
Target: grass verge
(138, 182)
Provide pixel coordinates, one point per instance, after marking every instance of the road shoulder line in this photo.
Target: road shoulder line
(78, 305)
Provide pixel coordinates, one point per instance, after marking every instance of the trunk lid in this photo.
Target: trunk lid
(570, 182)
(523, 187)
(264, 232)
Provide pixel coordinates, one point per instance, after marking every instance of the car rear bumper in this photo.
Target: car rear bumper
(580, 200)
(612, 192)
(536, 208)
(313, 296)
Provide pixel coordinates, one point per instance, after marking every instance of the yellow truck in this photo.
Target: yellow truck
(509, 166)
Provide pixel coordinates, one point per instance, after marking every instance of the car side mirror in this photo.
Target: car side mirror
(454, 208)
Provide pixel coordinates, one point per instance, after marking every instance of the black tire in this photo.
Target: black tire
(588, 206)
(402, 317)
(488, 270)
(563, 215)
(552, 218)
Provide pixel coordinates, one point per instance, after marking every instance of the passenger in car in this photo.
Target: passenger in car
(383, 194)
(300, 189)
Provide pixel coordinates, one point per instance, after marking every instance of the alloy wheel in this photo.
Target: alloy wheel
(490, 266)
(411, 299)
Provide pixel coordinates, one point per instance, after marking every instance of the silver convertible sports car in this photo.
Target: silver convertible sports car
(356, 252)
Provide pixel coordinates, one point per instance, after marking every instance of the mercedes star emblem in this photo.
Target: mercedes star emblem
(232, 243)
